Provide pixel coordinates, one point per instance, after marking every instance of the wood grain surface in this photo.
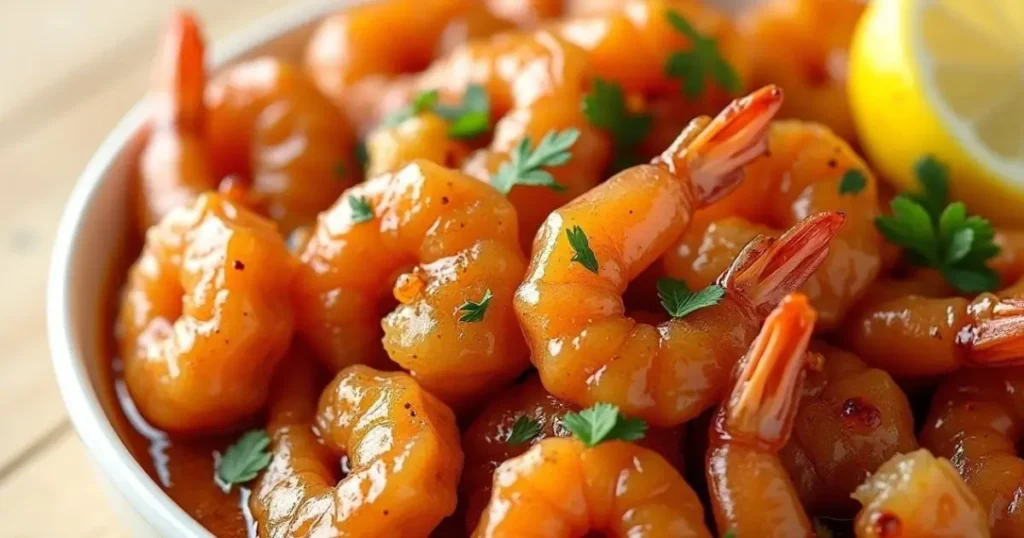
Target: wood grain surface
(71, 69)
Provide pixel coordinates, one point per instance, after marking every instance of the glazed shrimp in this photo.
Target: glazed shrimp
(751, 493)
(174, 168)
(803, 46)
(851, 419)
(205, 316)
(459, 237)
(584, 346)
(801, 174)
(487, 440)
(918, 336)
(561, 488)
(977, 421)
(403, 455)
(917, 494)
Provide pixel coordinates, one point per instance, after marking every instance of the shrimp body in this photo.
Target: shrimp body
(561, 488)
(801, 174)
(751, 493)
(424, 136)
(919, 335)
(917, 494)
(205, 316)
(487, 446)
(851, 419)
(977, 422)
(459, 237)
(403, 454)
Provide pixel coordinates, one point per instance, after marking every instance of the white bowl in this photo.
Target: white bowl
(90, 244)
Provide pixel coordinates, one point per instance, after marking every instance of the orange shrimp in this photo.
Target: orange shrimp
(402, 448)
(977, 421)
(561, 488)
(918, 336)
(487, 440)
(423, 136)
(459, 237)
(802, 174)
(751, 493)
(917, 494)
(206, 316)
(851, 419)
(174, 168)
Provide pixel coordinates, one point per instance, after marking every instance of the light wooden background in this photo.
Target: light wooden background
(68, 70)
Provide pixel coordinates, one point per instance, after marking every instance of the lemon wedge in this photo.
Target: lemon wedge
(945, 77)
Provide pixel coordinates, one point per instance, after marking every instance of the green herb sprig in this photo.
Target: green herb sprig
(852, 182)
(468, 119)
(603, 422)
(583, 255)
(679, 301)
(605, 108)
(524, 430)
(474, 312)
(362, 211)
(526, 166)
(422, 102)
(693, 67)
(244, 460)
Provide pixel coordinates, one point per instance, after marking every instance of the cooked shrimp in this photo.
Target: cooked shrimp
(977, 421)
(206, 316)
(801, 174)
(751, 493)
(803, 46)
(459, 236)
(561, 488)
(424, 136)
(488, 442)
(174, 168)
(917, 494)
(402, 447)
(851, 419)
(918, 336)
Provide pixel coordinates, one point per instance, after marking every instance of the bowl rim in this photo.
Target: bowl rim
(80, 397)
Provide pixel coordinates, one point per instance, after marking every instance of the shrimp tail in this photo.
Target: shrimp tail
(770, 268)
(712, 152)
(179, 76)
(997, 340)
(763, 403)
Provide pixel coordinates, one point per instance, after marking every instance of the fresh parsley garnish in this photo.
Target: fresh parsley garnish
(243, 460)
(605, 108)
(938, 234)
(679, 300)
(472, 117)
(422, 102)
(581, 245)
(524, 166)
(603, 422)
(852, 182)
(524, 429)
(474, 312)
(703, 59)
(362, 211)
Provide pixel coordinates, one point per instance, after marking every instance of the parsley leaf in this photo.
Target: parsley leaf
(852, 182)
(605, 108)
(472, 117)
(679, 301)
(243, 460)
(524, 430)
(938, 234)
(422, 102)
(581, 245)
(603, 422)
(362, 211)
(474, 312)
(524, 166)
(703, 60)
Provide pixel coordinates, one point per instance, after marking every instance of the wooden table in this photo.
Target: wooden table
(71, 68)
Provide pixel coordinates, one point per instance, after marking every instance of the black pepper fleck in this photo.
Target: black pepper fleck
(239, 266)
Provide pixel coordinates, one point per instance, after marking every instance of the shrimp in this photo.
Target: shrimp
(917, 494)
(206, 316)
(487, 440)
(912, 336)
(452, 242)
(561, 488)
(424, 136)
(751, 493)
(801, 174)
(851, 419)
(584, 346)
(803, 46)
(977, 421)
(402, 448)
(174, 168)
